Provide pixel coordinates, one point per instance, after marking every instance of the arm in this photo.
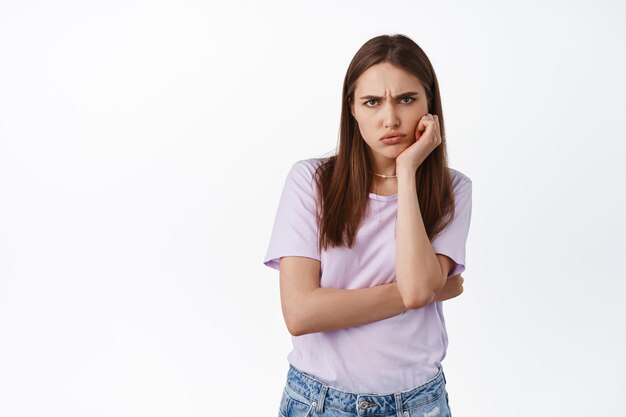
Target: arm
(308, 308)
(420, 272)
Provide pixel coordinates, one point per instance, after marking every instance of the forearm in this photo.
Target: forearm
(327, 309)
(418, 271)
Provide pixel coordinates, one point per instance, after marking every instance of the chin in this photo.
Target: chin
(396, 149)
(391, 153)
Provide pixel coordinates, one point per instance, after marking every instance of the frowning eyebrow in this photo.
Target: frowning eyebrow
(410, 93)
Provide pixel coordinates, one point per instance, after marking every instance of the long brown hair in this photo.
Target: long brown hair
(343, 182)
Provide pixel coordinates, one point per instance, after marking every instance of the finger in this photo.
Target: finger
(455, 281)
(436, 119)
(421, 125)
(424, 123)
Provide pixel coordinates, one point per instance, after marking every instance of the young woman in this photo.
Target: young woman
(369, 242)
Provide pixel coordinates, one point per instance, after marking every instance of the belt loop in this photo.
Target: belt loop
(398, 404)
(320, 402)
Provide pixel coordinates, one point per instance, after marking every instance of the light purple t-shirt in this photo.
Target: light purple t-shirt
(382, 357)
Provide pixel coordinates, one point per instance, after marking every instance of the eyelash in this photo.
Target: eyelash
(402, 98)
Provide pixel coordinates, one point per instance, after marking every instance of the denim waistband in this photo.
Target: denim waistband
(307, 389)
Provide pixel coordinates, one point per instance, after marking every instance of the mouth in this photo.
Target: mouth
(392, 140)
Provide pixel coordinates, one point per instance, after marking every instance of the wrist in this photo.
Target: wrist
(404, 172)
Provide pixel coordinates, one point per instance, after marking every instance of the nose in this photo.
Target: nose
(391, 116)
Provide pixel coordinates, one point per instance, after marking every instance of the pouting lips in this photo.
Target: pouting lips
(392, 140)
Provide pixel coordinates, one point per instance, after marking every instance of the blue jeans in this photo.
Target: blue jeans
(305, 396)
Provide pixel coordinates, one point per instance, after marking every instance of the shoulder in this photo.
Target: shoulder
(308, 165)
(304, 169)
(460, 181)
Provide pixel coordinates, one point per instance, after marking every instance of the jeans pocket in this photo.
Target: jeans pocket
(298, 406)
(448, 404)
(434, 407)
(284, 404)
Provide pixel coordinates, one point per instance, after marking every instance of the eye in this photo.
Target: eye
(411, 99)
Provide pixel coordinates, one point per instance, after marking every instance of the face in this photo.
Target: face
(387, 100)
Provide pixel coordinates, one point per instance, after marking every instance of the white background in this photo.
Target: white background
(143, 149)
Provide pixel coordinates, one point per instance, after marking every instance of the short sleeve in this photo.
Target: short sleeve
(452, 239)
(295, 230)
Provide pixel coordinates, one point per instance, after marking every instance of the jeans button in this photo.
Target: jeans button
(363, 404)
(314, 403)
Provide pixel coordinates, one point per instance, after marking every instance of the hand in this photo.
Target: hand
(427, 138)
(452, 288)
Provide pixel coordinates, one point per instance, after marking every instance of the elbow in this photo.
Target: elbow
(295, 329)
(421, 297)
(422, 293)
(296, 323)
(300, 314)
(415, 302)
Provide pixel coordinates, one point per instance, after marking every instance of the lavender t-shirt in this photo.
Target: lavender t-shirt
(382, 357)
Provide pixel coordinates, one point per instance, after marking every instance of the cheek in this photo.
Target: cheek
(363, 123)
(412, 122)
(415, 117)
(365, 133)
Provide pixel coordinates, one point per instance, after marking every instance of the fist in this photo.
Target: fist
(452, 288)
(427, 138)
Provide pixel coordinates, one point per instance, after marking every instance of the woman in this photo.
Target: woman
(369, 242)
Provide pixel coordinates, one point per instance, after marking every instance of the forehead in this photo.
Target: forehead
(384, 78)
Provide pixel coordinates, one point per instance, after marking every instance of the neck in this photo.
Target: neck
(388, 171)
